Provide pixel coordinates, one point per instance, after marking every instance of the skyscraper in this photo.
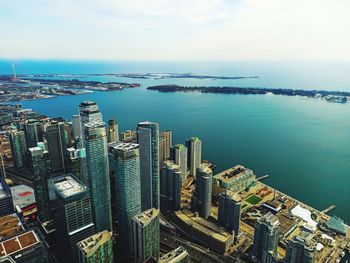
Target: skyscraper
(201, 200)
(76, 122)
(266, 237)
(125, 162)
(165, 144)
(95, 141)
(112, 131)
(18, 148)
(148, 139)
(73, 217)
(41, 169)
(230, 211)
(299, 250)
(6, 205)
(194, 157)
(89, 112)
(76, 163)
(96, 248)
(34, 132)
(179, 155)
(170, 187)
(57, 146)
(145, 231)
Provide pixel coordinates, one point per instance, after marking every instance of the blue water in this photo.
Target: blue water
(303, 144)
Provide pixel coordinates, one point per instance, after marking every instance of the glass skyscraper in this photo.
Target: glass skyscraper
(125, 162)
(18, 148)
(95, 141)
(148, 139)
(57, 146)
(179, 155)
(194, 154)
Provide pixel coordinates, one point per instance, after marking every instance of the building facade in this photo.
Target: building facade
(194, 154)
(95, 141)
(113, 131)
(57, 146)
(18, 148)
(145, 230)
(179, 155)
(6, 204)
(148, 139)
(125, 166)
(299, 250)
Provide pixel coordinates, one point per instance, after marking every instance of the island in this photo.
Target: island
(332, 96)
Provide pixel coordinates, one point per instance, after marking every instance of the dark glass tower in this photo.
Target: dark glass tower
(73, 217)
(18, 148)
(148, 139)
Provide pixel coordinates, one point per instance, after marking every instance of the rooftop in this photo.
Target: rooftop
(146, 217)
(67, 185)
(270, 219)
(22, 195)
(10, 225)
(174, 255)
(90, 244)
(18, 243)
(94, 124)
(123, 146)
(336, 224)
(233, 173)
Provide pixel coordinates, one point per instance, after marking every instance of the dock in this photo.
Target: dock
(326, 210)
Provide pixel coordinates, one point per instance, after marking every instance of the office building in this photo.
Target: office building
(34, 132)
(148, 139)
(76, 123)
(168, 136)
(230, 211)
(237, 178)
(95, 141)
(76, 163)
(57, 146)
(41, 169)
(89, 112)
(73, 216)
(18, 148)
(112, 131)
(194, 154)
(266, 237)
(161, 150)
(170, 187)
(129, 136)
(6, 205)
(301, 249)
(96, 248)
(125, 167)
(179, 155)
(178, 255)
(145, 231)
(201, 200)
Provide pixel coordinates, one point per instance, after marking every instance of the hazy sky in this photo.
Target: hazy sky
(176, 29)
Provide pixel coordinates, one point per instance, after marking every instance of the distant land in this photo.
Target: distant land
(142, 76)
(332, 96)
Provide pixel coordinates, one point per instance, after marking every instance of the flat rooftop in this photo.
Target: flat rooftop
(22, 195)
(90, 244)
(123, 146)
(68, 186)
(10, 226)
(174, 255)
(145, 217)
(18, 243)
(233, 173)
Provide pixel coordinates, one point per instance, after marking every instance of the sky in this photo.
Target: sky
(273, 30)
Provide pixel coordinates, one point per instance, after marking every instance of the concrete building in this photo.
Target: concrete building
(148, 139)
(57, 146)
(178, 255)
(179, 155)
(73, 217)
(129, 136)
(96, 248)
(6, 205)
(201, 200)
(41, 169)
(300, 250)
(194, 154)
(125, 167)
(95, 141)
(236, 178)
(266, 237)
(170, 187)
(112, 131)
(145, 230)
(18, 148)
(230, 211)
